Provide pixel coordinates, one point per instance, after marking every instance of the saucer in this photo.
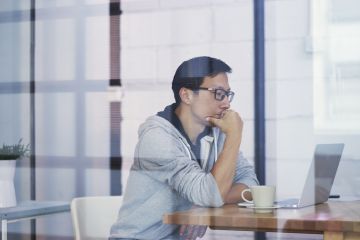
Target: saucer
(264, 209)
(271, 207)
(245, 204)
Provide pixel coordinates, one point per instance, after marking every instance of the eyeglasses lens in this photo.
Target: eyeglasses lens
(220, 94)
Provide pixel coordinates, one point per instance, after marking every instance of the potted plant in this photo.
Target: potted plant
(13, 152)
(8, 156)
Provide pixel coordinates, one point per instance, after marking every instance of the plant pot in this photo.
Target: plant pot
(7, 189)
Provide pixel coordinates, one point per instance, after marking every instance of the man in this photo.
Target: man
(186, 155)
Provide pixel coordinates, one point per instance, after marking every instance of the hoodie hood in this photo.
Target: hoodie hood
(156, 122)
(169, 114)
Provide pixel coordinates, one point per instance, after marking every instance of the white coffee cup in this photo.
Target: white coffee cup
(263, 197)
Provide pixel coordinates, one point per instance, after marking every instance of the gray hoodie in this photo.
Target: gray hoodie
(166, 177)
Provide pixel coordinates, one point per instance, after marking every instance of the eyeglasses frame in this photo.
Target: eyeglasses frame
(229, 94)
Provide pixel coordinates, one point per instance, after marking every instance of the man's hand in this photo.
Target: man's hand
(230, 123)
(191, 232)
(224, 168)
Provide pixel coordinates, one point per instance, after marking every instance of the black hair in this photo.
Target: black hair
(191, 73)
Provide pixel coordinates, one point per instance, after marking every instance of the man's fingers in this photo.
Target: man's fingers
(192, 232)
(185, 232)
(182, 230)
(213, 121)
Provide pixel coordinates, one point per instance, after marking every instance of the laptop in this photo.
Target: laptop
(320, 177)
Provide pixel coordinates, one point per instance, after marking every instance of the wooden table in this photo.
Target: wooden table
(335, 220)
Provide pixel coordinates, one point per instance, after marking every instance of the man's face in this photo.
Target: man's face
(204, 103)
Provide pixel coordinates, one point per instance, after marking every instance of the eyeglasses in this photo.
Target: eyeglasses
(219, 94)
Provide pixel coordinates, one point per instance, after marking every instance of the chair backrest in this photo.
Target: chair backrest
(92, 217)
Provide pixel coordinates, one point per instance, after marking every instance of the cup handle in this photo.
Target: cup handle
(243, 197)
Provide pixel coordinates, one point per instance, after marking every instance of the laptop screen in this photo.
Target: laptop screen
(321, 174)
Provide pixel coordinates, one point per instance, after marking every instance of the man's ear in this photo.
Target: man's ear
(185, 95)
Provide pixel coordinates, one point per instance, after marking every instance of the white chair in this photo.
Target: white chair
(92, 217)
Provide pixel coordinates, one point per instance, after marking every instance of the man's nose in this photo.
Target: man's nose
(226, 102)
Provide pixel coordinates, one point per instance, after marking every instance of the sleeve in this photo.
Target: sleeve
(164, 158)
(245, 172)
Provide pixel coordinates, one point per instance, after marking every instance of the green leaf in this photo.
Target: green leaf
(15, 151)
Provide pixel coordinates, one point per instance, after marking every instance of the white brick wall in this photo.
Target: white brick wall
(15, 36)
(170, 57)
(290, 97)
(287, 60)
(297, 92)
(138, 64)
(51, 139)
(53, 48)
(158, 35)
(286, 19)
(139, 5)
(97, 58)
(234, 22)
(240, 56)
